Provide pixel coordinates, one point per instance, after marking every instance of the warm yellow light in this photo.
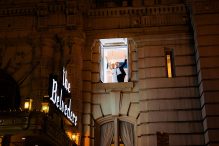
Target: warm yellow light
(73, 136)
(45, 107)
(1, 137)
(169, 66)
(28, 104)
(76, 138)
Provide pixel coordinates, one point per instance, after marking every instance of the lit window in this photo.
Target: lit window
(169, 63)
(114, 54)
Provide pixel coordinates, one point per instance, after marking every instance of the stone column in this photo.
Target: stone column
(205, 24)
(41, 72)
(73, 59)
(89, 76)
(75, 74)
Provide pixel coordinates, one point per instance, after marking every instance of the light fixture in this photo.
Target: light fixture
(28, 104)
(75, 137)
(23, 138)
(45, 104)
(45, 107)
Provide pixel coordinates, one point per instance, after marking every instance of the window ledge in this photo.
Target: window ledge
(113, 86)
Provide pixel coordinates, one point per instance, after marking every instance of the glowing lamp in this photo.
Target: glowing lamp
(76, 138)
(28, 104)
(73, 137)
(45, 107)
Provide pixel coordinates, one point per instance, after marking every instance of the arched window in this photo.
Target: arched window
(9, 92)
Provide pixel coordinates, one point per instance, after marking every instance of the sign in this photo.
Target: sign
(58, 100)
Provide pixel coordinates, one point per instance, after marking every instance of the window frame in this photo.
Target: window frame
(104, 66)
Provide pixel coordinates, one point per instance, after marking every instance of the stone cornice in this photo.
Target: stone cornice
(137, 11)
(40, 9)
(17, 11)
(67, 16)
(46, 8)
(130, 17)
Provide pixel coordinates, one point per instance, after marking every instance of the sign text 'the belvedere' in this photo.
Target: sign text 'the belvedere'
(58, 101)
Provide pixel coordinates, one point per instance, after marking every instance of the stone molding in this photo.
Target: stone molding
(113, 86)
(139, 11)
(107, 119)
(40, 9)
(140, 17)
(55, 15)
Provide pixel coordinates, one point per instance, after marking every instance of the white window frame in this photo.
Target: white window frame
(105, 71)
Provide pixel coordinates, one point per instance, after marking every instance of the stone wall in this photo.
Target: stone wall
(169, 105)
(38, 38)
(155, 103)
(205, 24)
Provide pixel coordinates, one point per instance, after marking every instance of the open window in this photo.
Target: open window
(114, 52)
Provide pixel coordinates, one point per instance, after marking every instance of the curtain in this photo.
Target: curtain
(127, 133)
(106, 133)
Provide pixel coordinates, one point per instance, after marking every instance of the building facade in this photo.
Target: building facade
(170, 94)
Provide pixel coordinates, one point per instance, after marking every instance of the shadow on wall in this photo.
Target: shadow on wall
(9, 92)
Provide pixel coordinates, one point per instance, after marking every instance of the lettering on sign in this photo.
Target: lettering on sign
(58, 100)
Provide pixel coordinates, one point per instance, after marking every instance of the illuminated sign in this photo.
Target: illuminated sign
(58, 101)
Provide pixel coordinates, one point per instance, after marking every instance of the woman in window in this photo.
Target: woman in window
(114, 75)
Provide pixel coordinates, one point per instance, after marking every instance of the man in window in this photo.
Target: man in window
(120, 72)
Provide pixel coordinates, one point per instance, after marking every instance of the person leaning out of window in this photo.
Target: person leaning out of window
(120, 72)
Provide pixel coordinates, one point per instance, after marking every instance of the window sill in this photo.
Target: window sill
(114, 86)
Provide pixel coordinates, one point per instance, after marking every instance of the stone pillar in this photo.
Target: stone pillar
(75, 74)
(40, 78)
(204, 16)
(73, 60)
(90, 75)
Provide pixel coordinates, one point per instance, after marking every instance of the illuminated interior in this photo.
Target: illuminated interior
(169, 66)
(113, 50)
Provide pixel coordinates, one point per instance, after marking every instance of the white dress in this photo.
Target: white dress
(114, 76)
